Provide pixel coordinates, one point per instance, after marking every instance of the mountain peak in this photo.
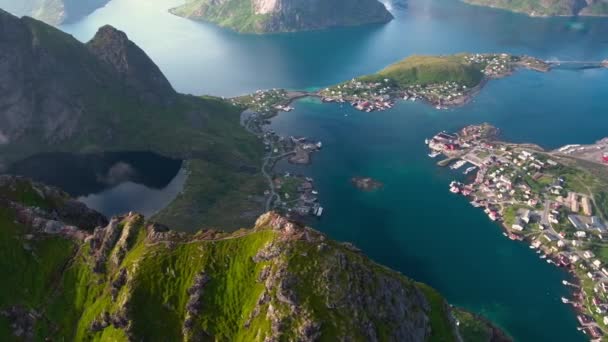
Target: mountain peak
(114, 49)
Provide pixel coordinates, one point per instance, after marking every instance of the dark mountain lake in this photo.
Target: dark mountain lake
(111, 183)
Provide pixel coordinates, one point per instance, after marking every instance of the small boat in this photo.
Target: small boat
(543, 256)
(457, 165)
(565, 300)
(472, 168)
(426, 141)
(434, 154)
(565, 282)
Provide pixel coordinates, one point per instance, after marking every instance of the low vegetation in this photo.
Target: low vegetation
(136, 280)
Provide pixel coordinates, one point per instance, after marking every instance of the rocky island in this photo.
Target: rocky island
(557, 201)
(366, 183)
(538, 8)
(267, 16)
(442, 81)
(54, 12)
(128, 278)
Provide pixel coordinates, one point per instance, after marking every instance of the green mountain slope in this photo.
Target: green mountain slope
(423, 70)
(107, 95)
(261, 16)
(136, 280)
(548, 8)
(54, 12)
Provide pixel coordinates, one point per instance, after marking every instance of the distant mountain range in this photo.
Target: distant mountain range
(54, 12)
(547, 8)
(262, 16)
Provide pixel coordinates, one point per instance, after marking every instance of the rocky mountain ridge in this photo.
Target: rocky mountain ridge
(130, 279)
(263, 16)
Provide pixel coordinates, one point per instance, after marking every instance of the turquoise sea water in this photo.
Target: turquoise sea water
(413, 224)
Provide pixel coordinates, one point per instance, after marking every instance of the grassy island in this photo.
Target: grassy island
(443, 81)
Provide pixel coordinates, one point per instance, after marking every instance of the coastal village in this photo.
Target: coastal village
(370, 94)
(556, 201)
(293, 195)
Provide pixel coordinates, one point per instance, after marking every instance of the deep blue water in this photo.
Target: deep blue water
(413, 224)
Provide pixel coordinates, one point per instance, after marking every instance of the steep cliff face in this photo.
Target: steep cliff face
(546, 8)
(130, 279)
(284, 15)
(53, 86)
(54, 12)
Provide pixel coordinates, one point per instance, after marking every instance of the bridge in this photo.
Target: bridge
(574, 62)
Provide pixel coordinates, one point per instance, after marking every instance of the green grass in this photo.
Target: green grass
(28, 275)
(471, 328)
(424, 70)
(442, 329)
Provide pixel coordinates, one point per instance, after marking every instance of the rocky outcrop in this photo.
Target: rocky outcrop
(54, 12)
(285, 15)
(278, 281)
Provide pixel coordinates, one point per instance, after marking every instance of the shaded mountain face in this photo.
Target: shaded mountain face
(49, 81)
(129, 279)
(54, 12)
(285, 15)
(134, 68)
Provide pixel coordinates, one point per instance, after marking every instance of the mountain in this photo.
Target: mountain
(262, 16)
(133, 279)
(546, 8)
(60, 95)
(54, 12)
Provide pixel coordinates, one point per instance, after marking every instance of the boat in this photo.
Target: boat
(472, 168)
(457, 165)
(426, 141)
(434, 154)
(565, 282)
(543, 256)
(565, 300)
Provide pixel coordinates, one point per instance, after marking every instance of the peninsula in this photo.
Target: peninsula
(443, 81)
(53, 12)
(268, 16)
(537, 8)
(128, 278)
(557, 201)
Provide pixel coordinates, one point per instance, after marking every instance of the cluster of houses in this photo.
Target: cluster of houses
(524, 189)
(496, 65)
(439, 94)
(264, 101)
(364, 96)
(298, 195)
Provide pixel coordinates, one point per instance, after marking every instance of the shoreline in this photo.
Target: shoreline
(527, 221)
